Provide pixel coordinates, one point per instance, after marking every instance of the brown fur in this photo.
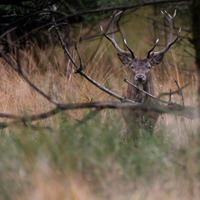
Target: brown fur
(140, 76)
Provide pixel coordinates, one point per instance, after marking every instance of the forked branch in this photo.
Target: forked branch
(20, 71)
(179, 91)
(150, 95)
(174, 92)
(80, 71)
(130, 104)
(185, 111)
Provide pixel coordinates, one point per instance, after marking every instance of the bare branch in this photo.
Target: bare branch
(8, 31)
(80, 71)
(125, 80)
(170, 95)
(181, 68)
(175, 92)
(88, 117)
(180, 91)
(81, 64)
(66, 16)
(191, 55)
(7, 59)
(185, 111)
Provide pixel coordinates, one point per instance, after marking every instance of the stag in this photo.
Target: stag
(141, 76)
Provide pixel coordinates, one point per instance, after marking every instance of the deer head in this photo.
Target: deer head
(141, 67)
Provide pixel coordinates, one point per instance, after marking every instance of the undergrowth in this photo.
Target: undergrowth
(93, 151)
(67, 159)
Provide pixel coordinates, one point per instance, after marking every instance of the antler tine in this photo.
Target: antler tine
(174, 14)
(115, 14)
(150, 50)
(169, 14)
(112, 38)
(170, 21)
(170, 43)
(132, 54)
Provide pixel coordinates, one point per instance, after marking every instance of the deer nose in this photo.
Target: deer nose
(140, 78)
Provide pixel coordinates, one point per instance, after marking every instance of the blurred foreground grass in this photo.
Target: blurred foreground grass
(95, 160)
(92, 162)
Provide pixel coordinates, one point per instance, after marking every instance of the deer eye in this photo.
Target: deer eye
(149, 66)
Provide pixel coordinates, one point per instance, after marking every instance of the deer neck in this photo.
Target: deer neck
(136, 94)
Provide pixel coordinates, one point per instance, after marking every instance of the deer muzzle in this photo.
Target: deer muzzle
(139, 78)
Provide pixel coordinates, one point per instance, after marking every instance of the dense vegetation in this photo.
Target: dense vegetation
(63, 158)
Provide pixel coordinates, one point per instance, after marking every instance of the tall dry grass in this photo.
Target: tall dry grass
(93, 162)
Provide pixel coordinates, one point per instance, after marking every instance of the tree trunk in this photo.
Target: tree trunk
(195, 10)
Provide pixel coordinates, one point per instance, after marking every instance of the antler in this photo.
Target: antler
(150, 50)
(170, 43)
(170, 21)
(112, 39)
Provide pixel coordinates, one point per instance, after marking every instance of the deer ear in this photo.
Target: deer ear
(126, 61)
(157, 59)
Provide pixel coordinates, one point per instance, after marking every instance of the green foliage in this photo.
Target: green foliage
(107, 3)
(93, 149)
(103, 4)
(22, 8)
(69, 7)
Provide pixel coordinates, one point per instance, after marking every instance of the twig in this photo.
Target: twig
(97, 48)
(181, 68)
(125, 80)
(119, 29)
(34, 127)
(191, 55)
(6, 58)
(79, 69)
(76, 14)
(66, 16)
(8, 31)
(49, 35)
(87, 117)
(185, 111)
(81, 64)
(180, 92)
(175, 92)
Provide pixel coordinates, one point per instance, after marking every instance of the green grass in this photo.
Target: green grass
(93, 151)
(95, 160)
